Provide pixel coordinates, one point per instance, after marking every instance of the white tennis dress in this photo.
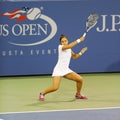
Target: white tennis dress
(62, 66)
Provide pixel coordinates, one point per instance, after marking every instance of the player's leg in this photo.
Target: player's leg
(79, 82)
(54, 87)
(75, 77)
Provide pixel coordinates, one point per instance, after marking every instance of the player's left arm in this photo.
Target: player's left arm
(76, 56)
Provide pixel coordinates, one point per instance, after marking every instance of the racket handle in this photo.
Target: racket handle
(84, 34)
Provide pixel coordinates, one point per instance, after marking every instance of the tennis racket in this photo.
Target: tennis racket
(91, 22)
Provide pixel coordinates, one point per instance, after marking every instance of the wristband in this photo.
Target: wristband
(80, 53)
(78, 40)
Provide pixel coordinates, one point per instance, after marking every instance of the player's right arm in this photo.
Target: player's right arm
(72, 44)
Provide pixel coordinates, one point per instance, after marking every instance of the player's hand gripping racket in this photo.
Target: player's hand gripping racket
(91, 22)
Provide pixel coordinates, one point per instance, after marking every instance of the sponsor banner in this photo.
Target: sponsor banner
(30, 31)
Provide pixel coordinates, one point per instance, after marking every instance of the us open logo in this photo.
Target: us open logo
(31, 27)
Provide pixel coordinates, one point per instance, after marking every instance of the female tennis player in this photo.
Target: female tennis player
(62, 67)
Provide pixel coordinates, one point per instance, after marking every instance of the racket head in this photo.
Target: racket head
(91, 21)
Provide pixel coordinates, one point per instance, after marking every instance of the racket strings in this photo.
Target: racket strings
(92, 20)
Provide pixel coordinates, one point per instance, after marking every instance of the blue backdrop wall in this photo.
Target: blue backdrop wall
(30, 31)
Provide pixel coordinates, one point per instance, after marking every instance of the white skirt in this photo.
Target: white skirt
(61, 71)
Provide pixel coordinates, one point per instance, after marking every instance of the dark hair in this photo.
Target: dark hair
(62, 36)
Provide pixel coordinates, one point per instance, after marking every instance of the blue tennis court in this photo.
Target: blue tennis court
(83, 114)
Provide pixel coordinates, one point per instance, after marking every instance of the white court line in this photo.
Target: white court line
(65, 110)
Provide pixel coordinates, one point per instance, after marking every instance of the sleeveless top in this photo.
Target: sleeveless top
(62, 66)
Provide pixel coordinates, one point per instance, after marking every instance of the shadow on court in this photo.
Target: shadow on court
(48, 102)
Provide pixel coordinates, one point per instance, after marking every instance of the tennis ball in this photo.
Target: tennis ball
(33, 13)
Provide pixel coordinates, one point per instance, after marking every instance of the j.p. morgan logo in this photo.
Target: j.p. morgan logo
(45, 26)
